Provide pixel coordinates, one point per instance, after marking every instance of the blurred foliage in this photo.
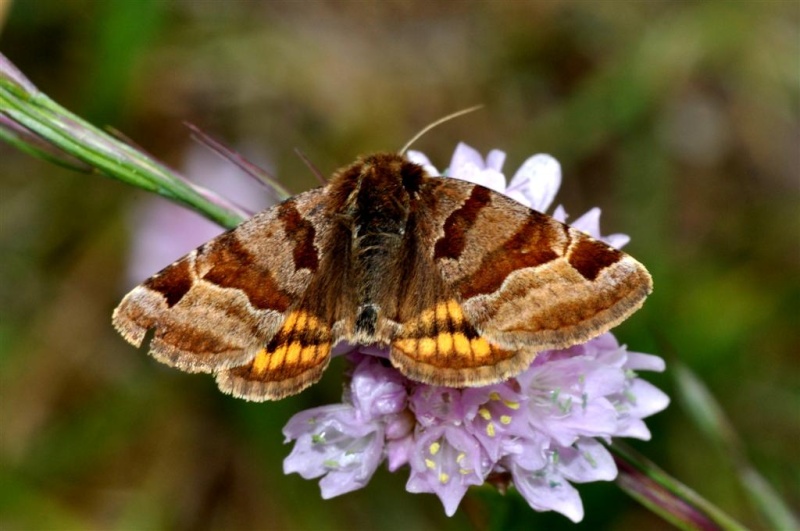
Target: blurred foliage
(679, 119)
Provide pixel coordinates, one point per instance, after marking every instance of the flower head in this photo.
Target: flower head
(345, 443)
(541, 428)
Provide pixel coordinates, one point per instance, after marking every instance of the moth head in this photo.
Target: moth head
(390, 173)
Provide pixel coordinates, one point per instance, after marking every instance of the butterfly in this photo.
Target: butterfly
(463, 285)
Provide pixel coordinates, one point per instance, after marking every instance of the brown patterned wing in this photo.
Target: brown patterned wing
(232, 306)
(514, 282)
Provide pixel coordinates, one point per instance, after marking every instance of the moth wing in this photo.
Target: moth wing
(231, 306)
(514, 282)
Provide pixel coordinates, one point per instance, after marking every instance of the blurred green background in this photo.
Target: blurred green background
(679, 119)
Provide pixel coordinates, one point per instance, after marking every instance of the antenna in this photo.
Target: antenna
(261, 175)
(310, 165)
(440, 121)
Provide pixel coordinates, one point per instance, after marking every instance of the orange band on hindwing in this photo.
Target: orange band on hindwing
(442, 337)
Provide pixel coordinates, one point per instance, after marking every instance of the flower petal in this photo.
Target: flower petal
(532, 453)
(589, 223)
(417, 157)
(434, 405)
(638, 361)
(495, 160)
(632, 427)
(376, 390)
(560, 214)
(468, 165)
(649, 399)
(446, 461)
(488, 178)
(333, 442)
(398, 452)
(547, 493)
(465, 155)
(537, 182)
(354, 467)
(617, 240)
(588, 460)
(309, 420)
(496, 416)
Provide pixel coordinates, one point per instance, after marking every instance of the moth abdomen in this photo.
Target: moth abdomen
(367, 320)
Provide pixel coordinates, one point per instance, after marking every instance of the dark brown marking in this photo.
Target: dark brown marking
(283, 371)
(232, 267)
(567, 238)
(465, 328)
(459, 222)
(172, 282)
(245, 372)
(305, 336)
(530, 246)
(589, 257)
(301, 231)
(198, 342)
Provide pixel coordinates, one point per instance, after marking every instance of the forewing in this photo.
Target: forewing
(220, 308)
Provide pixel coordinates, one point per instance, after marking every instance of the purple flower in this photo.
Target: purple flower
(446, 460)
(542, 428)
(548, 488)
(346, 442)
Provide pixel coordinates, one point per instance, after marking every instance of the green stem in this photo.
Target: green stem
(36, 113)
(666, 496)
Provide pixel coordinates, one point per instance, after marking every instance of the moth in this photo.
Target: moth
(462, 284)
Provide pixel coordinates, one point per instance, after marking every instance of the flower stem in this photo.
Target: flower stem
(36, 124)
(644, 481)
